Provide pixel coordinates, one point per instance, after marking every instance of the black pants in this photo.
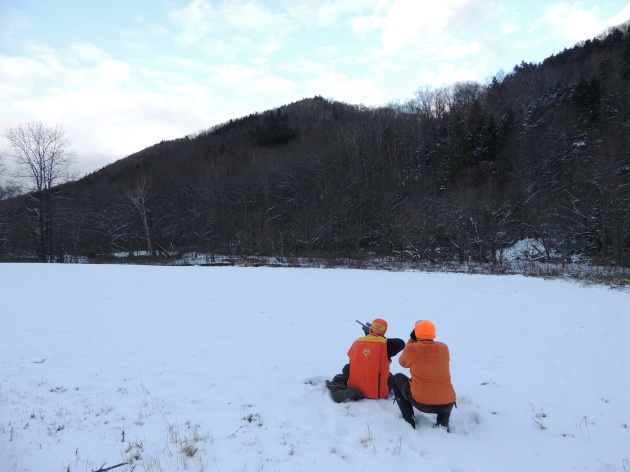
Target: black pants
(402, 388)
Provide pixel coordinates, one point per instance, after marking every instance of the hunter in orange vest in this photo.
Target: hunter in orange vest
(370, 358)
(430, 389)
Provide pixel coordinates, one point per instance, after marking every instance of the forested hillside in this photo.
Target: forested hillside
(456, 173)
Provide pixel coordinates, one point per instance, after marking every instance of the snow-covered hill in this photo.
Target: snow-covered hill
(223, 368)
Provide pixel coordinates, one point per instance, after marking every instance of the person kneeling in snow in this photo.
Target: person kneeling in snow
(367, 375)
(430, 389)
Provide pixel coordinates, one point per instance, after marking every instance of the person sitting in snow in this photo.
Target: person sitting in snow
(367, 374)
(430, 389)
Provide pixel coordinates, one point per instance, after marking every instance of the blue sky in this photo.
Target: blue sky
(122, 75)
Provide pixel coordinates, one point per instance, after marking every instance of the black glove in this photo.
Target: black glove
(413, 334)
(366, 328)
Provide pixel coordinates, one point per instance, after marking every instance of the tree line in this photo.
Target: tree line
(456, 173)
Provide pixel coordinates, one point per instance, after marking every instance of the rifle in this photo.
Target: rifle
(365, 327)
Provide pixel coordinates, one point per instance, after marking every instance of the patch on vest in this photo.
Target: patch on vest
(366, 352)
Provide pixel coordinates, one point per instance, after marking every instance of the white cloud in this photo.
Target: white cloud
(93, 95)
(319, 78)
(80, 67)
(341, 87)
(405, 23)
(232, 27)
(18, 77)
(119, 122)
(448, 73)
(461, 50)
(573, 22)
(509, 27)
(95, 68)
(621, 17)
(327, 13)
(251, 18)
(251, 83)
(195, 20)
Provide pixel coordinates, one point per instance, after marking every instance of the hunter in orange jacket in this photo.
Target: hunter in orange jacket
(370, 358)
(430, 389)
(369, 366)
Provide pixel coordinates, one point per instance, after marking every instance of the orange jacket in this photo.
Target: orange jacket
(369, 366)
(428, 362)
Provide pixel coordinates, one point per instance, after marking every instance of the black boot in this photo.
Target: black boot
(442, 420)
(405, 408)
(407, 411)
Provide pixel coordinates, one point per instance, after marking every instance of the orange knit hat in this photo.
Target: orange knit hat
(378, 327)
(424, 330)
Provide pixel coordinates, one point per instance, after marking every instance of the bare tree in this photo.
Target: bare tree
(139, 197)
(44, 159)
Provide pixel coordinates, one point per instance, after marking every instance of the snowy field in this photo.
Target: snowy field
(223, 369)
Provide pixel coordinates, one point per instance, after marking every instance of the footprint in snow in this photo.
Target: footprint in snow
(315, 381)
(464, 423)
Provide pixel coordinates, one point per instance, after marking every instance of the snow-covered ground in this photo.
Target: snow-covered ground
(223, 369)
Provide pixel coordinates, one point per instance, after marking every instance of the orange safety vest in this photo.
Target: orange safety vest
(369, 366)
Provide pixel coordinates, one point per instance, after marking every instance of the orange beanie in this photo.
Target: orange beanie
(378, 327)
(424, 330)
